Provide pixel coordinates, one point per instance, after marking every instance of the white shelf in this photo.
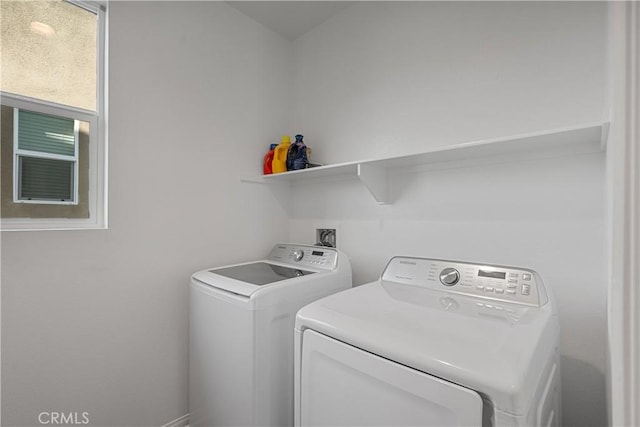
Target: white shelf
(376, 174)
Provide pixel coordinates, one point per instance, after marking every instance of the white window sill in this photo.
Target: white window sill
(59, 224)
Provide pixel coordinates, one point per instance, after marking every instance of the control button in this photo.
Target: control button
(449, 276)
(488, 305)
(511, 291)
(512, 281)
(513, 274)
(480, 287)
(489, 289)
(499, 291)
(526, 289)
(511, 285)
(298, 254)
(499, 308)
(526, 276)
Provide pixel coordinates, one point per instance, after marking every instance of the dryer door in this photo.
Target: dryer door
(341, 385)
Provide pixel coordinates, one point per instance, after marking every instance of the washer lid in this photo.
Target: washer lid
(498, 349)
(245, 279)
(260, 273)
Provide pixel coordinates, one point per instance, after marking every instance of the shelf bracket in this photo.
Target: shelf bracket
(604, 138)
(376, 179)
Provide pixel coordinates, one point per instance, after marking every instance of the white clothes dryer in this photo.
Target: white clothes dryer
(431, 343)
(241, 333)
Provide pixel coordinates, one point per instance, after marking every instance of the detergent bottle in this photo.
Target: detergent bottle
(267, 167)
(297, 155)
(280, 156)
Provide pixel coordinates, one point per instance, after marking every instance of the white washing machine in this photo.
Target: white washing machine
(241, 333)
(431, 343)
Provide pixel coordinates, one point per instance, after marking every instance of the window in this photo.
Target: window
(46, 158)
(53, 146)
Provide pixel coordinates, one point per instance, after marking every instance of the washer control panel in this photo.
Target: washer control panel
(309, 256)
(510, 284)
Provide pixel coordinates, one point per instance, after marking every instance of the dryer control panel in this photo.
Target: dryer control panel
(318, 257)
(500, 283)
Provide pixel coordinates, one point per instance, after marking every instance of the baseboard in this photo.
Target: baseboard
(179, 422)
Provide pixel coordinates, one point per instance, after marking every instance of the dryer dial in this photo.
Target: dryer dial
(449, 276)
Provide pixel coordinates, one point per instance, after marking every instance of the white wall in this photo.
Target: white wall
(383, 79)
(96, 321)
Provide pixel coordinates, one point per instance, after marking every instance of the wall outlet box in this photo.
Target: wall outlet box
(326, 237)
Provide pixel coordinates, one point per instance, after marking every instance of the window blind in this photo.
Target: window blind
(46, 134)
(46, 179)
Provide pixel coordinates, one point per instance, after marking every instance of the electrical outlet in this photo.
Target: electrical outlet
(326, 237)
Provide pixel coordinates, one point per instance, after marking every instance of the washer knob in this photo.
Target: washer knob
(449, 276)
(298, 254)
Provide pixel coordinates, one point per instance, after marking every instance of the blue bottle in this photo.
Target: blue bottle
(297, 155)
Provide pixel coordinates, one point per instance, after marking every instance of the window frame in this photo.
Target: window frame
(98, 136)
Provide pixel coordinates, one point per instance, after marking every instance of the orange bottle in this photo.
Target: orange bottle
(280, 156)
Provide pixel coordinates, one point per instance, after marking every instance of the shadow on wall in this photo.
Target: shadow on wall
(583, 387)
